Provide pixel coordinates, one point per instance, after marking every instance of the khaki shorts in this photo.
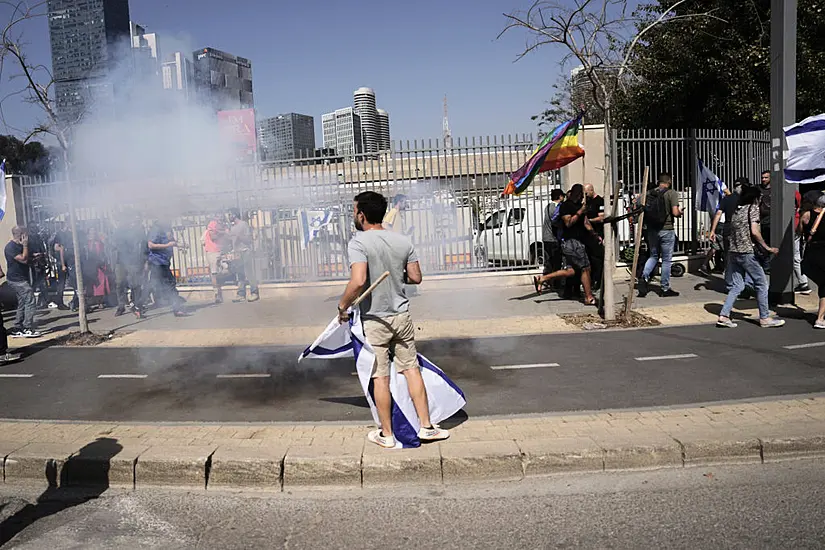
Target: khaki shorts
(213, 259)
(394, 334)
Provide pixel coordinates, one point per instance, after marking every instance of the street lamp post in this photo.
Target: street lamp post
(783, 113)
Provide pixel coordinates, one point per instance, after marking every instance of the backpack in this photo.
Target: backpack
(656, 208)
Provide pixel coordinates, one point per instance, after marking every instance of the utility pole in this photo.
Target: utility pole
(783, 113)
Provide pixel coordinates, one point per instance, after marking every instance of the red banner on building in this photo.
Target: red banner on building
(238, 131)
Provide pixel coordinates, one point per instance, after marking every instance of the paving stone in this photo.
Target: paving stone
(40, 462)
(107, 462)
(6, 448)
(640, 451)
(561, 454)
(183, 466)
(421, 466)
(477, 460)
(247, 467)
(718, 448)
(323, 465)
(794, 444)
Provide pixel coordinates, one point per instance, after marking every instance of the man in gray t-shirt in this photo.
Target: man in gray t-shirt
(385, 313)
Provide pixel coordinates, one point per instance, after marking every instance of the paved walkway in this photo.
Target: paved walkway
(465, 309)
(288, 456)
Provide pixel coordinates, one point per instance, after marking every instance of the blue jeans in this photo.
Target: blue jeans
(661, 243)
(738, 268)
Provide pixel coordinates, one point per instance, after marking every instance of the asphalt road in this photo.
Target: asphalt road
(595, 371)
(748, 507)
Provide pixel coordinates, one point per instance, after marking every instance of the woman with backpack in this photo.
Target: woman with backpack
(744, 236)
(812, 230)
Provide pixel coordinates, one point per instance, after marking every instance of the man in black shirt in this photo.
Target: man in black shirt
(595, 248)
(63, 250)
(17, 260)
(5, 356)
(130, 253)
(576, 231)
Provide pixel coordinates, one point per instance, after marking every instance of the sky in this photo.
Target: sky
(309, 56)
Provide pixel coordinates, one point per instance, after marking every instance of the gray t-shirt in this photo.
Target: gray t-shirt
(383, 251)
(548, 232)
(241, 235)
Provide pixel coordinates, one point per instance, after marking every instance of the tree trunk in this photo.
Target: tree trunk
(612, 196)
(78, 269)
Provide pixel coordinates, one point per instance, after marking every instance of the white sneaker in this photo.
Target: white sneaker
(28, 333)
(52, 305)
(433, 434)
(771, 322)
(820, 324)
(388, 442)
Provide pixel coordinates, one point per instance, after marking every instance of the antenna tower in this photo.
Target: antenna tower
(448, 136)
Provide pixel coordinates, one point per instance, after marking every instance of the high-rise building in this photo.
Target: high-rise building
(89, 38)
(364, 104)
(224, 80)
(342, 132)
(178, 74)
(384, 143)
(146, 52)
(287, 136)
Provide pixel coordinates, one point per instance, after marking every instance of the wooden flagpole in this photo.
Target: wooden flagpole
(637, 244)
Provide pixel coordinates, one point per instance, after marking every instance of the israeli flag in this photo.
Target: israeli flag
(444, 396)
(806, 151)
(312, 221)
(2, 189)
(709, 189)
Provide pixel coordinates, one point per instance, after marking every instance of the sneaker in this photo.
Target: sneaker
(642, 287)
(433, 433)
(182, 314)
(725, 323)
(9, 358)
(388, 442)
(239, 300)
(820, 324)
(120, 311)
(28, 333)
(669, 293)
(771, 322)
(16, 333)
(52, 305)
(704, 271)
(803, 289)
(254, 297)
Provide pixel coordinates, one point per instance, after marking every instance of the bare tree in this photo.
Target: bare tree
(601, 36)
(36, 83)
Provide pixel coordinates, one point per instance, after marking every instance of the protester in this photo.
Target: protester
(130, 254)
(386, 318)
(802, 281)
(62, 247)
(160, 246)
(745, 234)
(575, 232)
(595, 247)
(551, 249)
(95, 267)
(5, 356)
(38, 249)
(765, 208)
(213, 243)
(241, 236)
(17, 262)
(395, 218)
(813, 263)
(661, 208)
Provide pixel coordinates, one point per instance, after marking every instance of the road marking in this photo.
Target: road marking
(533, 366)
(122, 375)
(663, 357)
(244, 376)
(16, 375)
(803, 346)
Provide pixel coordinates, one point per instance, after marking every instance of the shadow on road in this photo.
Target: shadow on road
(89, 478)
(357, 401)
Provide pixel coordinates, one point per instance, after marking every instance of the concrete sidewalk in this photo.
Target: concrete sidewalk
(277, 457)
(462, 307)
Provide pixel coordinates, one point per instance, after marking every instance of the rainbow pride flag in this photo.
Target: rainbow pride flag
(559, 148)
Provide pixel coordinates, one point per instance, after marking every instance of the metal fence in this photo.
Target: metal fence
(454, 213)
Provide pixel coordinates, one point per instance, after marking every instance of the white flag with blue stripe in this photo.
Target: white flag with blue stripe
(806, 151)
(312, 221)
(709, 189)
(2, 189)
(445, 398)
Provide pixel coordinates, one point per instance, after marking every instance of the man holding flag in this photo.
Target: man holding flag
(386, 320)
(710, 190)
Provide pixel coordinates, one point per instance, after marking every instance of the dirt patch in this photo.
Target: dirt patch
(84, 340)
(592, 321)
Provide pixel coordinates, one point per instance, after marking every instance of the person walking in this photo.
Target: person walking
(745, 234)
(213, 242)
(575, 232)
(241, 237)
(130, 253)
(160, 247)
(813, 263)
(17, 262)
(661, 209)
(386, 318)
(5, 356)
(802, 286)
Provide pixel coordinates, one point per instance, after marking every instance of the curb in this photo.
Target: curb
(361, 465)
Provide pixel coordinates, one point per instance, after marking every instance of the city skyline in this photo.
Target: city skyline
(489, 93)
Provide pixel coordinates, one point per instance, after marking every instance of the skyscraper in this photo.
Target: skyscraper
(384, 142)
(178, 74)
(224, 80)
(364, 104)
(88, 39)
(342, 131)
(287, 136)
(146, 53)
